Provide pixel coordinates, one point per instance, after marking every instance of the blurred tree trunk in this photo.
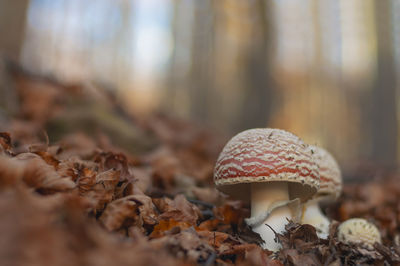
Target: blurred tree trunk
(316, 88)
(12, 27)
(201, 77)
(383, 113)
(172, 83)
(256, 104)
(122, 59)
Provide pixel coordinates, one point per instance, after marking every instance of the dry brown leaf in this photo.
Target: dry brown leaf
(43, 177)
(217, 239)
(10, 171)
(69, 168)
(99, 187)
(182, 211)
(209, 225)
(48, 158)
(231, 212)
(185, 245)
(115, 161)
(5, 143)
(166, 225)
(118, 212)
(258, 257)
(163, 204)
(146, 209)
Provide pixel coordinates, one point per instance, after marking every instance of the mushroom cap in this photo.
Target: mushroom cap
(266, 155)
(359, 231)
(330, 175)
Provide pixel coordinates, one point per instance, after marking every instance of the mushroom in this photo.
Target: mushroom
(273, 169)
(329, 190)
(359, 231)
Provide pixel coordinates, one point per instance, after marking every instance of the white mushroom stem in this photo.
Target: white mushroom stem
(269, 206)
(314, 216)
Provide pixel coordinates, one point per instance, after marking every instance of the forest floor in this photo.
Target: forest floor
(84, 183)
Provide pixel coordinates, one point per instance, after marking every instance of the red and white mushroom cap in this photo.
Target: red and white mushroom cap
(265, 155)
(329, 171)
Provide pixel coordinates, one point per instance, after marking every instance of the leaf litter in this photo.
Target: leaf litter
(85, 199)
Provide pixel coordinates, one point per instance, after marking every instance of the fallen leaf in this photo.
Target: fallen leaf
(182, 210)
(120, 212)
(165, 225)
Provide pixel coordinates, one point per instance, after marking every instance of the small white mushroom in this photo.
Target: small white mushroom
(330, 189)
(359, 231)
(273, 169)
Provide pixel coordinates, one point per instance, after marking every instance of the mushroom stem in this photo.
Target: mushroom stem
(314, 216)
(270, 198)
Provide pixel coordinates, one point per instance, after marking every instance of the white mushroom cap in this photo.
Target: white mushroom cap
(265, 155)
(330, 174)
(359, 231)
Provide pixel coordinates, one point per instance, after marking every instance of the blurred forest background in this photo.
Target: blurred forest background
(325, 70)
